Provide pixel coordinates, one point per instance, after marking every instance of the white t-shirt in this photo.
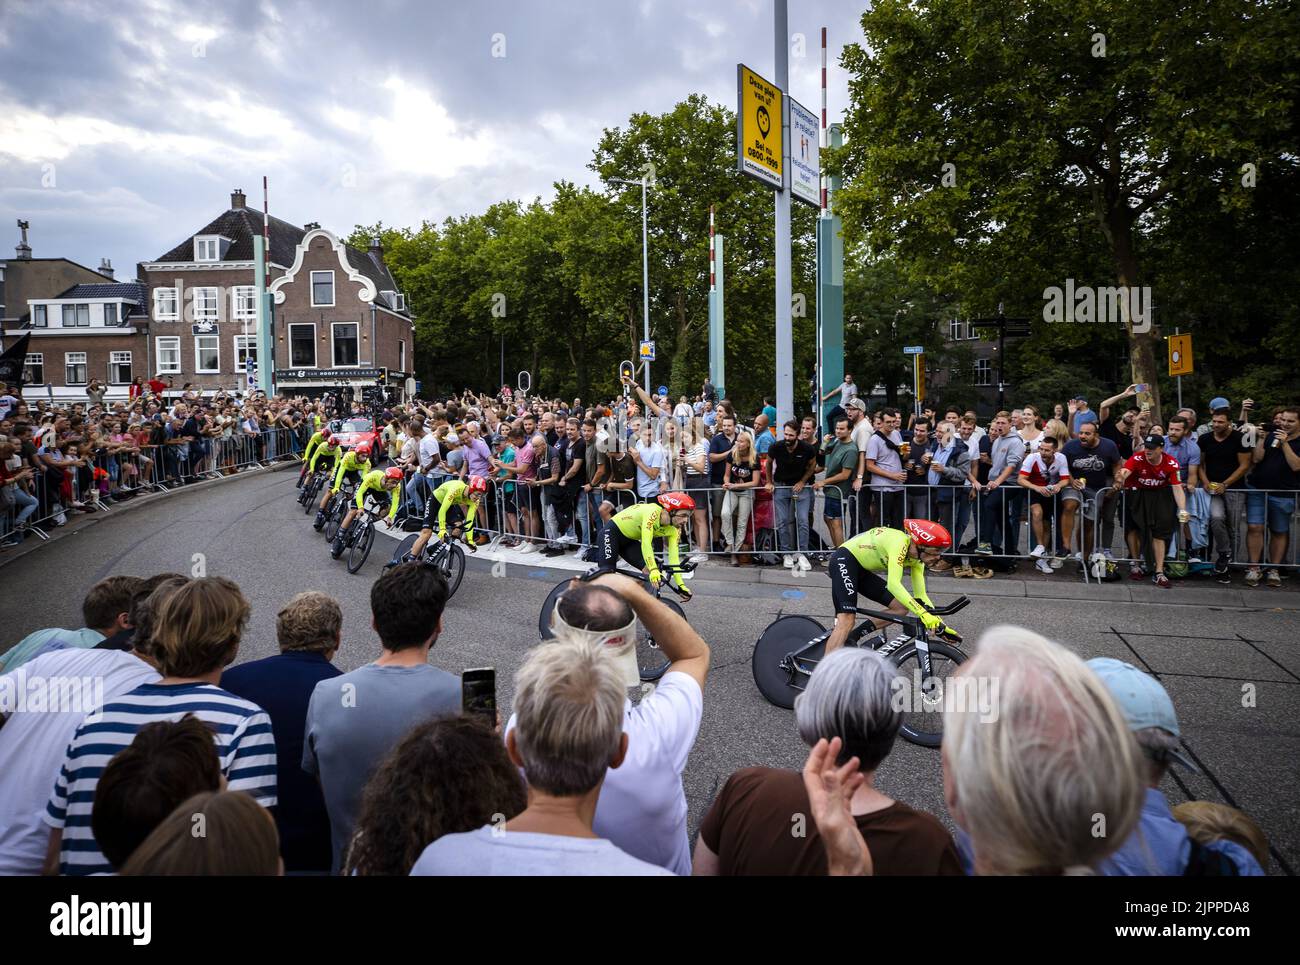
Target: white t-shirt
(642, 806)
(430, 454)
(848, 392)
(33, 742)
(1031, 446)
(862, 433)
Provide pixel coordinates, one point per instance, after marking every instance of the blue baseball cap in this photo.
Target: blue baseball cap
(1142, 699)
(1217, 403)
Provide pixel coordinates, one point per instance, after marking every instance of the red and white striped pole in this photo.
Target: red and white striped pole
(823, 131)
(713, 267)
(266, 224)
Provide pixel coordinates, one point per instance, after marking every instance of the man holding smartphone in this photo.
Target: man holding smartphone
(1273, 484)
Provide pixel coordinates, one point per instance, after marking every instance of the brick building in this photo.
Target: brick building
(337, 316)
(83, 325)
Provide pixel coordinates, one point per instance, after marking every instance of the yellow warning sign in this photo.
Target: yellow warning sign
(1180, 355)
(758, 127)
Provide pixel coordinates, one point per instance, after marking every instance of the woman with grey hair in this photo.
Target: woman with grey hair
(568, 731)
(750, 830)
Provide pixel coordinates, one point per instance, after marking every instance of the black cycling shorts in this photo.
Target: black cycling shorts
(455, 515)
(849, 578)
(615, 546)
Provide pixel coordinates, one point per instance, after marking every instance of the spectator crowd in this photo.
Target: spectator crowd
(58, 460)
(182, 760)
(1190, 498)
(1185, 499)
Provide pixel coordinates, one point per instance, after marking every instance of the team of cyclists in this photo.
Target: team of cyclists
(871, 563)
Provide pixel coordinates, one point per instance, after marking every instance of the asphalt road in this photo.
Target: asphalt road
(250, 529)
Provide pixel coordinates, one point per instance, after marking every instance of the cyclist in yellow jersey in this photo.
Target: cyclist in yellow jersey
(326, 453)
(317, 440)
(855, 567)
(377, 481)
(354, 464)
(631, 532)
(453, 494)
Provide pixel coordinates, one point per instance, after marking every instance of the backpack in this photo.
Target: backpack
(765, 548)
(1177, 567)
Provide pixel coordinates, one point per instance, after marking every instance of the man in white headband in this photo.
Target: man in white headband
(602, 619)
(642, 804)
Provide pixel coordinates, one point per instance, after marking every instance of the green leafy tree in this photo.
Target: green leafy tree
(1080, 135)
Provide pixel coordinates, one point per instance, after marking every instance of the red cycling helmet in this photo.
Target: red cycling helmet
(675, 501)
(363, 450)
(477, 484)
(327, 438)
(925, 533)
(392, 472)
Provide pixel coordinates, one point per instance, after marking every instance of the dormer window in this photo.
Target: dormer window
(209, 247)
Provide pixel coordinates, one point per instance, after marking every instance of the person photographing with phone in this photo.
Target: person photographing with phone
(1276, 462)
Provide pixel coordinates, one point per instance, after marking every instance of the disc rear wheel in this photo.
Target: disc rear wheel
(781, 677)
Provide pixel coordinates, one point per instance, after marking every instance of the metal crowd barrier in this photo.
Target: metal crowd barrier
(1001, 518)
(1200, 537)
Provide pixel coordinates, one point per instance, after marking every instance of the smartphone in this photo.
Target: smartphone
(1143, 387)
(478, 693)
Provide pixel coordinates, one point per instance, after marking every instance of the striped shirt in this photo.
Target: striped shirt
(245, 746)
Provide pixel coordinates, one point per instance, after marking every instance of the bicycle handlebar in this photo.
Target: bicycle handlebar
(958, 604)
(914, 622)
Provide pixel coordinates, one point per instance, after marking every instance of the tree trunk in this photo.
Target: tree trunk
(1142, 345)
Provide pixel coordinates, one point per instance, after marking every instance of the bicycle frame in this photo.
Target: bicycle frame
(795, 663)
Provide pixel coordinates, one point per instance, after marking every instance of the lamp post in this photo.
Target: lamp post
(645, 266)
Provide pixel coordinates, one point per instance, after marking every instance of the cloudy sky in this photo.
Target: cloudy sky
(124, 126)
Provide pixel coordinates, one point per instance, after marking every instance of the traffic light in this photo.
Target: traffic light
(383, 375)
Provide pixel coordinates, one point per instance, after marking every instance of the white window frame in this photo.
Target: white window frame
(169, 295)
(115, 308)
(78, 310)
(68, 362)
(315, 351)
(207, 248)
(114, 359)
(44, 312)
(244, 345)
(334, 362)
(173, 343)
(983, 372)
(216, 340)
(401, 355)
(210, 303)
(955, 329)
(34, 358)
(243, 302)
(333, 293)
